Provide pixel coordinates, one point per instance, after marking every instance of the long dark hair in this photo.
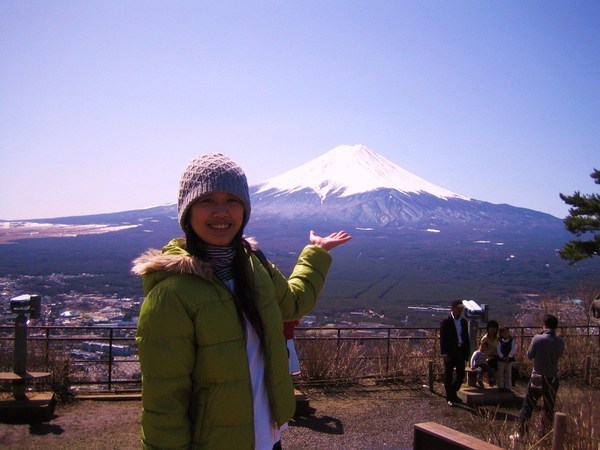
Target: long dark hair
(244, 290)
(492, 324)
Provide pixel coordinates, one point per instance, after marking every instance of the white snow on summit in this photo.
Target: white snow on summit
(352, 169)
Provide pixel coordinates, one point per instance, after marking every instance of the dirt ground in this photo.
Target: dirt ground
(371, 418)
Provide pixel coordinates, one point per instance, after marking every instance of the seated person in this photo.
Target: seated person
(479, 363)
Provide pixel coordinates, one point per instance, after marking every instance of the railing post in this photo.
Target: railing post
(560, 431)
(431, 376)
(387, 357)
(47, 351)
(339, 343)
(110, 358)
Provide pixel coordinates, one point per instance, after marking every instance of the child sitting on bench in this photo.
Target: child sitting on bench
(479, 363)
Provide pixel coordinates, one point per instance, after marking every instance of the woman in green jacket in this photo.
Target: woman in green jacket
(210, 333)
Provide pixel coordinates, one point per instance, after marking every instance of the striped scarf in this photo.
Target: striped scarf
(221, 260)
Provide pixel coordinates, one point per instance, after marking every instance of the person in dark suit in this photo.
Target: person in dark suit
(455, 350)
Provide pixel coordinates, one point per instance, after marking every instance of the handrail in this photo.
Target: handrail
(111, 358)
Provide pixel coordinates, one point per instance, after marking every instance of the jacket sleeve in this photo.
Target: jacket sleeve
(165, 338)
(532, 347)
(297, 295)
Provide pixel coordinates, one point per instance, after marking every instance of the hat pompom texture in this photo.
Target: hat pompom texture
(211, 172)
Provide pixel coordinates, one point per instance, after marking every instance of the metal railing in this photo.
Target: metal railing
(105, 358)
(96, 357)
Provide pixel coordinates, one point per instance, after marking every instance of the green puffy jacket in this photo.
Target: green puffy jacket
(196, 387)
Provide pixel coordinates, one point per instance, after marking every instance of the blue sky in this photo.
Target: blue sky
(103, 103)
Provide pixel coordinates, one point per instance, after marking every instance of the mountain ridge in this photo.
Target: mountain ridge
(348, 170)
(355, 186)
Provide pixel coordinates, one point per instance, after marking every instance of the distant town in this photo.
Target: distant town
(88, 310)
(114, 311)
(100, 311)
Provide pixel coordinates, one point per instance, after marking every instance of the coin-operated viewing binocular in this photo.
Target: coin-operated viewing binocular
(474, 311)
(26, 304)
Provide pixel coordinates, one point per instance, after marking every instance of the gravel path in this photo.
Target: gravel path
(373, 418)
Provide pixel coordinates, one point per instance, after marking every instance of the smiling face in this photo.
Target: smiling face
(217, 217)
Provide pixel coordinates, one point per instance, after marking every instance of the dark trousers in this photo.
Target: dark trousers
(480, 369)
(451, 384)
(493, 368)
(548, 392)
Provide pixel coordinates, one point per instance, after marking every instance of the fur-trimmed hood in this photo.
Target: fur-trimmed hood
(173, 259)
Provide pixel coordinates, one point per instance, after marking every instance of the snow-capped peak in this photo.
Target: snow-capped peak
(352, 169)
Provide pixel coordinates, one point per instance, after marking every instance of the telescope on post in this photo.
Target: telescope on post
(23, 305)
(26, 304)
(25, 404)
(474, 312)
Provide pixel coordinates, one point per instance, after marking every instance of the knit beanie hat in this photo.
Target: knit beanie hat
(211, 172)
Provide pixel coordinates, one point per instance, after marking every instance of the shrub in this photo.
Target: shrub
(330, 360)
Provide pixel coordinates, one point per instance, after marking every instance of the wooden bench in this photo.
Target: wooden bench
(431, 435)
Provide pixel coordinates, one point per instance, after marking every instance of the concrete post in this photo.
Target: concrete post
(20, 346)
(473, 335)
(20, 355)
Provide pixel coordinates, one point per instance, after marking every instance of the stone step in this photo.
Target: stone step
(474, 396)
(302, 403)
(35, 406)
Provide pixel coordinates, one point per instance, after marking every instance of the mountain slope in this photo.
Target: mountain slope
(349, 170)
(352, 185)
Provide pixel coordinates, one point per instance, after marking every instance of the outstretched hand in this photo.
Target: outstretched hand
(329, 242)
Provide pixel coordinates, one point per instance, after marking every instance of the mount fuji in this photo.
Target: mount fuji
(348, 170)
(355, 186)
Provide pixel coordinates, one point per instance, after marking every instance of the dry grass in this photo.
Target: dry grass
(331, 360)
(580, 404)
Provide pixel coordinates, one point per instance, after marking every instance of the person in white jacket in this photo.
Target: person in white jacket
(479, 362)
(507, 349)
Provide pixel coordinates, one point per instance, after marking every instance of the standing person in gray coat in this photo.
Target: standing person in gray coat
(545, 350)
